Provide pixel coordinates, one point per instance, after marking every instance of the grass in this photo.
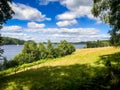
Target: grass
(72, 72)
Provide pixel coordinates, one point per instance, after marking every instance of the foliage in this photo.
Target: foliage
(109, 11)
(5, 14)
(29, 53)
(42, 51)
(32, 52)
(65, 48)
(11, 63)
(93, 44)
(50, 50)
(5, 11)
(112, 63)
(9, 41)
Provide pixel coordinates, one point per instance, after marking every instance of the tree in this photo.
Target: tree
(6, 13)
(31, 48)
(65, 48)
(50, 49)
(29, 53)
(42, 51)
(109, 12)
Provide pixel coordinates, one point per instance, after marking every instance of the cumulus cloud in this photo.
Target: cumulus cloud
(71, 35)
(39, 33)
(24, 12)
(35, 25)
(74, 4)
(80, 12)
(21, 35)
(64, 31)
(12, 28)
(45, 2)
(66, 23)
(77, 9)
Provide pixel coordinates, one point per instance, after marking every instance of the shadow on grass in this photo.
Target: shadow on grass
(73, 77)
(115, 58)
(112, 63)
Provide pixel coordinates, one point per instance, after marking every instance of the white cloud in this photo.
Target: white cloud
(12, 29)
(45, 2)
(35, 25)
(21, 36)
(74, 4)
(71, 35)
(54, 34)
(64, 31)
(77, 9)
(24, 12)
(80, 12)
(66, 23)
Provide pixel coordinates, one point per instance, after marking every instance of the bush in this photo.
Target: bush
(50, 50)
(33, 52)
(42, 51)
(93, 44)
(65, 48)
(24, 58)
(11, 63)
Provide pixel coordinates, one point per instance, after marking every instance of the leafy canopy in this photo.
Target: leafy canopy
(5, 14)
(109, 12)
(5, 11)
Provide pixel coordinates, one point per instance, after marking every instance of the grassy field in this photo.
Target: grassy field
(66, 73)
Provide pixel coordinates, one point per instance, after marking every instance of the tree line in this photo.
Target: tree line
(32, 52)
(94, 44)
(12, 41)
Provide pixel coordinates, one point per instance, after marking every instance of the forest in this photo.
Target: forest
(12, 41)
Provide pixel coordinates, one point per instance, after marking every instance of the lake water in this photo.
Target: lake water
(11, 50)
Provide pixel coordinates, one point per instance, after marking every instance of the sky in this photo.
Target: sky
(55, 20)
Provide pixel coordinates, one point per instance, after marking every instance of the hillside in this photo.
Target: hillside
(73, 72)
(11, 41)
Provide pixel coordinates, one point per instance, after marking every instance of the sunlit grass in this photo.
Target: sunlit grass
(65, 73)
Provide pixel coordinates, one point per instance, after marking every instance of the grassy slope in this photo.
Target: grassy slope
(66, 73)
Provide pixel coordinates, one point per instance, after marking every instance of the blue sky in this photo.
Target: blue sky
(55, 20)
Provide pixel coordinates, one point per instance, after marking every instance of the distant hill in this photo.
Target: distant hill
(12, 41)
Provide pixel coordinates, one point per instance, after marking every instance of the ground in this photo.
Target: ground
(67, 73)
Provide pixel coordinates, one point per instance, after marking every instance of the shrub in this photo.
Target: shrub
(33, 52)
(42, 51)
(65, 48)
(11, 63)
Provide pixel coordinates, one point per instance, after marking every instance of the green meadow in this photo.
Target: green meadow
(78, 71)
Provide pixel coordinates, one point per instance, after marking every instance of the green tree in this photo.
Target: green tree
(6, 13)
(109, 12)
(42, 51)
(31, 48)
(65, 48)
(50, 49)
(24, 58)
(29, 53)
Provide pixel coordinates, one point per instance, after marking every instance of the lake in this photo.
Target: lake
(11, 50)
